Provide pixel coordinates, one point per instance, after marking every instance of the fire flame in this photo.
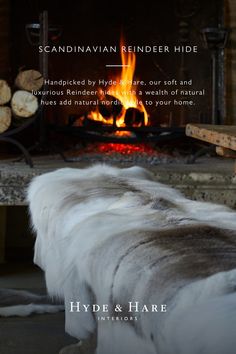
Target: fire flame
(123, 90)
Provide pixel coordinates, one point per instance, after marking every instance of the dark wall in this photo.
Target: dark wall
(5, 42)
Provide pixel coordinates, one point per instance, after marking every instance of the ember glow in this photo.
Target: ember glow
(123, 92)
(126, 149)
(118, 148)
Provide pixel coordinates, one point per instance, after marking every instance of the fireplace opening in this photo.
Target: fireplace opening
(133, 75)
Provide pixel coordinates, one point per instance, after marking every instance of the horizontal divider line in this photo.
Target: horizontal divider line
(117, 65)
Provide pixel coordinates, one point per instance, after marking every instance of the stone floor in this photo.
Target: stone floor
(36, 334)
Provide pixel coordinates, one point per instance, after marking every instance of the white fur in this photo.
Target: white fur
(26, 310)
(15, 302)
(92, 226)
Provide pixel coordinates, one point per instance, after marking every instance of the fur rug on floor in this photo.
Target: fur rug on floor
(117, 239)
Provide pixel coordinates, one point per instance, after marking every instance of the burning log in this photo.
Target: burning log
(5, 118)
(110, 106)
(134, 117)
(29, 80)
(5, 92)
(24, 104)
(83, 120)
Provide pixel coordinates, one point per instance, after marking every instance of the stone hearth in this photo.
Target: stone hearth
(209, 179)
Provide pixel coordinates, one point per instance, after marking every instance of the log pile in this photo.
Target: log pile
(5, 92)
(29, 80)
(19, 103)
(5, 118)
(23, 104)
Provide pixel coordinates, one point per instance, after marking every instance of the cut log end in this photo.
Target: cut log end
(5, 118)
(24, 104)
(29, 80)
(5, 92)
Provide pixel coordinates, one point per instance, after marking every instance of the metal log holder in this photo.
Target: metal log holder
(95, 131)
(9, 136)
(33, 31)
(38, 34)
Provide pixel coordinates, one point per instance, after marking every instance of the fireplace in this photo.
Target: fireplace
(83, 139)
(170, 54)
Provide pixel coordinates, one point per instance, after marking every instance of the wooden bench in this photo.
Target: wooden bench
(223, 136)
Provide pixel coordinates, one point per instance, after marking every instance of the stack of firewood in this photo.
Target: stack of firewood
(19, 103)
